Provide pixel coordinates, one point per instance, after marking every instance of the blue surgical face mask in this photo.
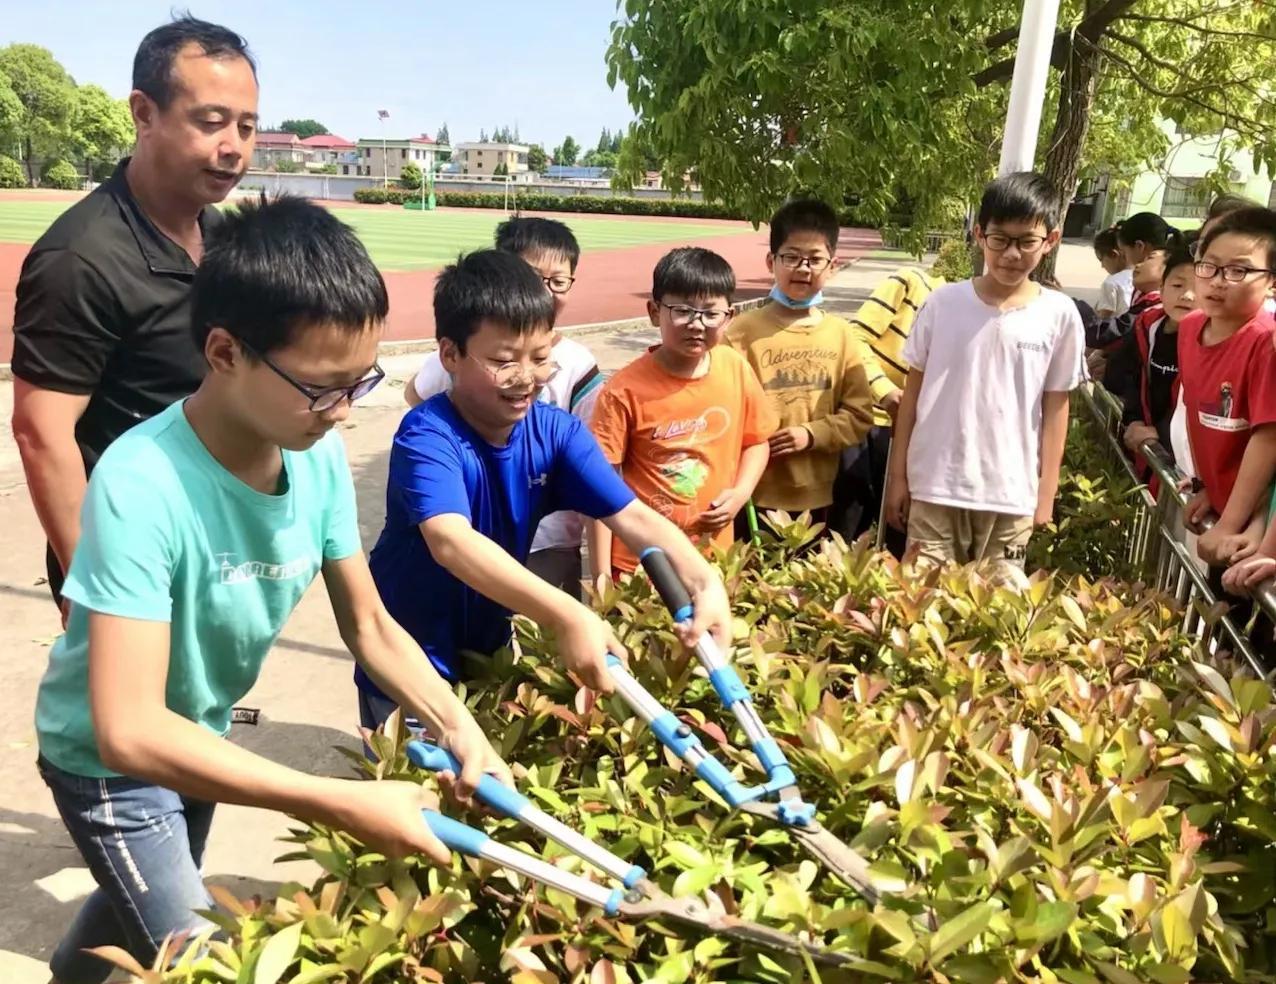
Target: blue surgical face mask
(815, 300)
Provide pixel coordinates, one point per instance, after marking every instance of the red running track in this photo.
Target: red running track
(611, 285)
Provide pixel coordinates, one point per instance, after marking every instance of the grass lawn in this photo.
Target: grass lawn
(399, 239)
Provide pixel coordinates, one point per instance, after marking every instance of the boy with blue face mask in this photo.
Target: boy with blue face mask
(813, 367)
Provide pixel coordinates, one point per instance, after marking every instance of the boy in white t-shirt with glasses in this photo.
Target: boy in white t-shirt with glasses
(981, 428)
(551, 250)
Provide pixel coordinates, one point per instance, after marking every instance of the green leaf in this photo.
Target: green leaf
(1053, 919)
(959, 931)
(278, 954)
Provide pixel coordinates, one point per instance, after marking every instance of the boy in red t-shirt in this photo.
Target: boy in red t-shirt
(1227, 367)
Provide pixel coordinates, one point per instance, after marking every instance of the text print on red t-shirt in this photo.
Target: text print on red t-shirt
(1217, 415)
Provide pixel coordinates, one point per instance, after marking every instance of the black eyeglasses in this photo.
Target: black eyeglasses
(792, 261)
(999, 242)
(1233, 273)
(683, 315)
(558, 285)
(322, 400)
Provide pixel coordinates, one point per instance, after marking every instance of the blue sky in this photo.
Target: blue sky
(482, 63)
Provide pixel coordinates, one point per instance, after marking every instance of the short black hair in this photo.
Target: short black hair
(1229, 203)
(275, 267)
(1256, 221)
(804, 215)
(529, 235)
(489, 285)
(1144, 227)
(1105, 241)
(153, 63)
(692, 271)
(1180, 248)
(1024, 196)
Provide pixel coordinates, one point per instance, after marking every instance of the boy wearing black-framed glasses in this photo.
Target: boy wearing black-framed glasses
(686, 424)
(815, 370)
(981, 427)
(202, 528)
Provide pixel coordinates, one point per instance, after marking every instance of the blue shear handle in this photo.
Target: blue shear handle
(456, 835)
(667, 583)
(491, 791)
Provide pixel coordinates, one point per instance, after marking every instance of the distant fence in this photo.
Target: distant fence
(341, 187)
(894, 238)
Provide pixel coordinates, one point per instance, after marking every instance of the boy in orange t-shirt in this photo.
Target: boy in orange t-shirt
(686, 424)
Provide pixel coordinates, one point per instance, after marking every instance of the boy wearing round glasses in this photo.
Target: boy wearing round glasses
(550, 248)
(687, 423)
(981, 428)
(1227, 370)
(814, 369)
(475, 469)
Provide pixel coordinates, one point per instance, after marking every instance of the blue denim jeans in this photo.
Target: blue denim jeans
(143, 844)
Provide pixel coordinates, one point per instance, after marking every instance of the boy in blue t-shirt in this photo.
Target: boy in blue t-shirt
(472, 472)
(202, 528)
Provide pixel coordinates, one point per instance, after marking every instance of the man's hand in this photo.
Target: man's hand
(722, 511)
(386, 816)
(1044, 514)
(712, 615)
(1248, 573)
(1137, 433)
(891, 401)
(584, 640)
(789, 440)
(898, 502)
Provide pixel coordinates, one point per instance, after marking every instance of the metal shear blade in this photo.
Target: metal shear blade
(694, 913)
(828, 849)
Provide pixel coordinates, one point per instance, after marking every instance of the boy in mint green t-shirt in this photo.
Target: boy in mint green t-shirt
(202, 528)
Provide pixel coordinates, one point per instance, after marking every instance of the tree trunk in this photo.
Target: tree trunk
(30, 165)
(1072, 123)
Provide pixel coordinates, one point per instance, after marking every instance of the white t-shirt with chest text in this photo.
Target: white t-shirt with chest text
(977, 438)
(575, 388)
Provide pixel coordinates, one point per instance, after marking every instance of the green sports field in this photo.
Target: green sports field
(400, 239)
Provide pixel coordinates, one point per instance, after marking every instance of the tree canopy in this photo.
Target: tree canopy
(900, 107)
(303, 128)
(567, 152)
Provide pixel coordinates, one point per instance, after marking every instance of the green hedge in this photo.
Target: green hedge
(60, 174)
(595, 204)
(11, 173)
(539, 202)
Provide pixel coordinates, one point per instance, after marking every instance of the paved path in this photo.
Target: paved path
(305, 690)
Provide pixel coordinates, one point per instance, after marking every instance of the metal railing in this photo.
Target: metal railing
(1156, 544)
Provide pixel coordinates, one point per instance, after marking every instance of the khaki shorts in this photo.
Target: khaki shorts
(946, 535)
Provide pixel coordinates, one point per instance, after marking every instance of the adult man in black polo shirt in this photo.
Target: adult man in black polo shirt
(102, 334)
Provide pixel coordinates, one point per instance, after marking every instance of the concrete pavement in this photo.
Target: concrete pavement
(305, 690)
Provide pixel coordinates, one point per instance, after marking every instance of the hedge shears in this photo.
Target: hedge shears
(778, 799)
(638, 898)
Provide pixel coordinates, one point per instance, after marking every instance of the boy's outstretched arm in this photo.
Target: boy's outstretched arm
(138, 736)
(583, 638)
(1054, 435)
(398, 666)
(898, 496)
(640, 527)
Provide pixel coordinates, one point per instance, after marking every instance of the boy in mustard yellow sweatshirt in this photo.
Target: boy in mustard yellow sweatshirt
(813, 367)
